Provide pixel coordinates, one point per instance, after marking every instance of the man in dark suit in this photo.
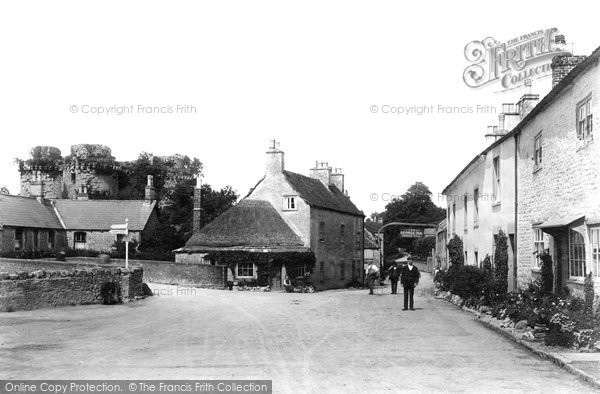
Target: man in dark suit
(410, 278)
(394, 274)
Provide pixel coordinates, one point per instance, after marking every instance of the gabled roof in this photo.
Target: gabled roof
(250, 224)
(370, 240)
(20, 211)
(547, 100)
(316, 194)
(101, 214)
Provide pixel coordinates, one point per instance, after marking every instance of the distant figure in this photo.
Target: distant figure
(372, 274)
(410, 279)
(394, 274)
(287, 284)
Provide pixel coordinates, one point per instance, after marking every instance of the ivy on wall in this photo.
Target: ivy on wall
(267, 264)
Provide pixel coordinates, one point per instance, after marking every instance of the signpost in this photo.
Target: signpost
(123, 229)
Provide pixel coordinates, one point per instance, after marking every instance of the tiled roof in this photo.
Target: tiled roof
(101, 214)
(249, 224)
(316, 194)
(27, 212)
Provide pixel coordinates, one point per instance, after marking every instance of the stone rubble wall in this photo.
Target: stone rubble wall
(187, 274)
(28, 290)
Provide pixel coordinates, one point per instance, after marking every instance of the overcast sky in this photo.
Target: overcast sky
(305, 73)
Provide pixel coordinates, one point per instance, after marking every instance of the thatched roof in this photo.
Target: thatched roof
(249, 225)
(316, 194)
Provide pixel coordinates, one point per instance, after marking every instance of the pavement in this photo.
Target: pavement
(333, 341)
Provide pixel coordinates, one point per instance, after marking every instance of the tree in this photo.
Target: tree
(501, 262)
(414, 206)
(455, 252)
(547, 273)
(4, 190)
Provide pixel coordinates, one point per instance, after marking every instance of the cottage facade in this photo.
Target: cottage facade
(313, 213)
(539, 182)
(558, 164)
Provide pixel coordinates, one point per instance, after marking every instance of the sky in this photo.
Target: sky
(307, 74)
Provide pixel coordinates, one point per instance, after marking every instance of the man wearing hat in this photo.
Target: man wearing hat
(410, 278)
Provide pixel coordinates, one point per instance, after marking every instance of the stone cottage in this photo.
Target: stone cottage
(40, 225)
(288, 213)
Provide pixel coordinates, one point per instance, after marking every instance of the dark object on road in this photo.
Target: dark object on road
(230, 284)
(110, 293)
(146, 291)
(61, 256)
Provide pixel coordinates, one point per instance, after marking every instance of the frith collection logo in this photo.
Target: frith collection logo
(526, 57)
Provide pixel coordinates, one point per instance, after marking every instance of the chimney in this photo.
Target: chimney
(509, 117)
(492, 135)
(83, 193)
(36, 188)
(337, 179)
(562, 65)
(150, 192)
(527, 101)
(197, 206)
(322, 172)
(275, 165)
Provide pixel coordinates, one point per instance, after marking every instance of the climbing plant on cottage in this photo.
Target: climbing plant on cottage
(455, 251)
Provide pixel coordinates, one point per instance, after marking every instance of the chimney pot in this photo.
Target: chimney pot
(149, 191)
(562, 66)
(197, 214)
(322, 172)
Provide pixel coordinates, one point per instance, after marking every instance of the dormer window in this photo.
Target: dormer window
(290, 203)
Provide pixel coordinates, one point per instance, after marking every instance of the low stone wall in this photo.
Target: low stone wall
(188, 274)
(27, 290)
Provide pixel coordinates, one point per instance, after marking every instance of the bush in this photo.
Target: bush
(547, 273)
(455, 251)
(501, 261)
(588, 293)
(466, 282)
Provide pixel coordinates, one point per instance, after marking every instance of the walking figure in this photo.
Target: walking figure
(394, 274)
(410, 279)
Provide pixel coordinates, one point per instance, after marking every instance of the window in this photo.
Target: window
(289, 203)
(36, 239)
(537, 151)
(51, 239)
(298, 271)
(342, 270)
(476, 208)
(584, 118)
(477, 259)
(322, 270)
(358, 239)
(466, 258)
(18, 239)
(595, 232)
(576, 254)
(321, 231)
(73, 177)
(342, 232)
(496, 180)
(466, 217)
(80, 239)
(245, 270)
(538, 246)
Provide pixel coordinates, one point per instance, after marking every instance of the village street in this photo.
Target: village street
(333, 341)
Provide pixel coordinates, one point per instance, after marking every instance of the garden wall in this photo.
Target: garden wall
(189, 274)
(27, 290)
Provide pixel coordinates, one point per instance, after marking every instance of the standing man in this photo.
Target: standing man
(394, 274)
(372, 274)
(410, 279)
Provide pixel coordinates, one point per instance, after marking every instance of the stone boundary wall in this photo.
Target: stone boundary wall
(27, 290)
(187, 274)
